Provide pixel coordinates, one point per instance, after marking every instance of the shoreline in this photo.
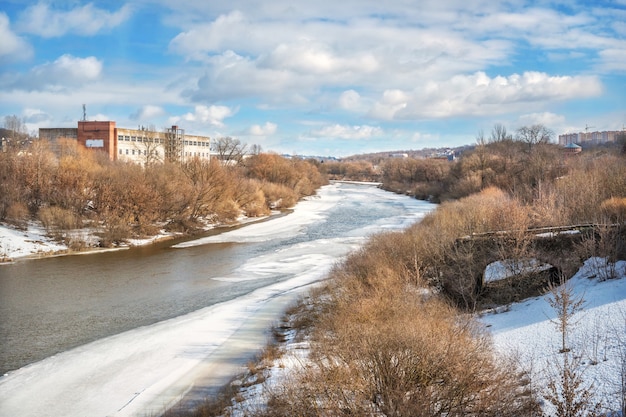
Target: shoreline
(35, 241)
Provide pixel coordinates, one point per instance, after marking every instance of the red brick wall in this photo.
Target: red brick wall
(100, 136)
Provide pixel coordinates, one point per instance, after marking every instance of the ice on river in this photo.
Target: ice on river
(143, 371)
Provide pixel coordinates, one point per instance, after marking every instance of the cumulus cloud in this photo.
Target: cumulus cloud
(348, 132)
(309, 57)
(88, 20)
(212, 115)
(148, 112)
(350, 100)
(545, 118)
(12, 47)
(267, 129)
(478, 94)
(65, 72)
(613, 60)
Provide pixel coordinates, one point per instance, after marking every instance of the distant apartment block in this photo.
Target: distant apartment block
(590, 138)
(135, 145)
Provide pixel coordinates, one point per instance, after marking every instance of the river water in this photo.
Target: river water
(68, 304)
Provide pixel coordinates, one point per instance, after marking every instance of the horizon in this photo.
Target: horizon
(325, 79)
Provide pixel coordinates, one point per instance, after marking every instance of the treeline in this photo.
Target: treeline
(525, 165)
(74, 188)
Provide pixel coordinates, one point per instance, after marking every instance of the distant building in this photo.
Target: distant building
(572, 149)
(135, 145)
(591, 138)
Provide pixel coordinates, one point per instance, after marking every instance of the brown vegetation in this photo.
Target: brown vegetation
(76, 188)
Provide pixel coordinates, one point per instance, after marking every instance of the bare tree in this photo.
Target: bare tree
(18, 132)
(150, 147)
(230, 151)
(567, 390)
(568, 393)
(566, 304)
(534, 135)
(499, 133)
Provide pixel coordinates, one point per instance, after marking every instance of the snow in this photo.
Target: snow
(500, 270)
(527, 331)
(26, 243)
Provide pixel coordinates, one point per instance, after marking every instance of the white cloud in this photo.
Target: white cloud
(267, 129)
(548, 119)
(612, 60)
(350, 100)
(148, 112)
(88, 20)
(12, 47)
(348, 132)
(310, 57)
(65, 72)
(478, 94)
(212, 115)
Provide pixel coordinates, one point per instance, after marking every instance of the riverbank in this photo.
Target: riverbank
(34, 242)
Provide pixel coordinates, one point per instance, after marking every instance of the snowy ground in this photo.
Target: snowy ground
(597, 338)
(26, 243)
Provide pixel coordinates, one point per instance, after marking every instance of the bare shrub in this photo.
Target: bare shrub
(17, 214)
(605, 244)
(57, 219)
(403, 359)
(278, 196)
(614, 209)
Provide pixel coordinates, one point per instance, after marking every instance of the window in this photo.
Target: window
(126, 151)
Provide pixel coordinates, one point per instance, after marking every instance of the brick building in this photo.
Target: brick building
(135, 145)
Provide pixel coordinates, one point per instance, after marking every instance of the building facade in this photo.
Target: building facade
(140, 146)
(591, 138)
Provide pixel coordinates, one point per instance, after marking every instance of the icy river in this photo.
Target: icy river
(130, 332)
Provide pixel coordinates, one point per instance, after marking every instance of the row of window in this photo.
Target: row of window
(156, 153)
(121, 138)
(139, 152)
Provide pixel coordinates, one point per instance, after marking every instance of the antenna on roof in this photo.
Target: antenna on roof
(84, 112)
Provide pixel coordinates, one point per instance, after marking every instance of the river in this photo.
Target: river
(89, 320)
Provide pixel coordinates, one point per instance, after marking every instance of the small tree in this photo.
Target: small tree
(566, 304)
(568, 393)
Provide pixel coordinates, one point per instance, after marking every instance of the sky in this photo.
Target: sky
(326, 78)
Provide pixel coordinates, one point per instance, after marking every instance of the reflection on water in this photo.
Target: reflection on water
(50, 305)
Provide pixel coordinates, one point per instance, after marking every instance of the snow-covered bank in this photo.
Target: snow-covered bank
(597, 335)
(27, 243)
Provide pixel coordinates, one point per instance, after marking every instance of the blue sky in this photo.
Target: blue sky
(325, 77)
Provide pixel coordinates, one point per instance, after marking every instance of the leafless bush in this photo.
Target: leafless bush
(56, 219)
(17, 214)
